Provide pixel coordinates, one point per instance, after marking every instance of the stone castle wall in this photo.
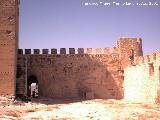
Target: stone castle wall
(8, 45)
(120, 72)
(107, 73)
(70, 75)
(142, 81)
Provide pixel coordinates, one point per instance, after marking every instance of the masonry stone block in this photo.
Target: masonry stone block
(152, 57)
(114, 50)
(27, 51)
(107, 51)
(140, 60)
(89, 51)
(36, 51)
(62, 50)
(45, 51)
(71, 50)
(53, 51)
(80, 50)
(20, 51)
(158, 55)
(98, 50)
(146, 58)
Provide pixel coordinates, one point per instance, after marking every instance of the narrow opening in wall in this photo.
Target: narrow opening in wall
(131, 54)
(32, 86)
(151, 69)
(34, 90)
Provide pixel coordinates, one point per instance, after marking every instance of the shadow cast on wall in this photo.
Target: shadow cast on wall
(72, 76)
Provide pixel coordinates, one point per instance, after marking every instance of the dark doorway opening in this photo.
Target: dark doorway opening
(32, 86)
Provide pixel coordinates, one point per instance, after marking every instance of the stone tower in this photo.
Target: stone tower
(129, 48)
(9, 14)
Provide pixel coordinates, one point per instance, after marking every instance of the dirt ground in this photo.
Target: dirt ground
(98, 109)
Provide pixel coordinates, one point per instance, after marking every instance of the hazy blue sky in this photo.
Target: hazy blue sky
(69, 23)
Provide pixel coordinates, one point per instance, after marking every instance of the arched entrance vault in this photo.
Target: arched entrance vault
(32, 86)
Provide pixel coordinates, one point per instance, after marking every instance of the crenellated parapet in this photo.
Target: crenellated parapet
(147, 58)
(72, 51)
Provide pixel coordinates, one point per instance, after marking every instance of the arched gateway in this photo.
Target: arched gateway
(32, 86)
